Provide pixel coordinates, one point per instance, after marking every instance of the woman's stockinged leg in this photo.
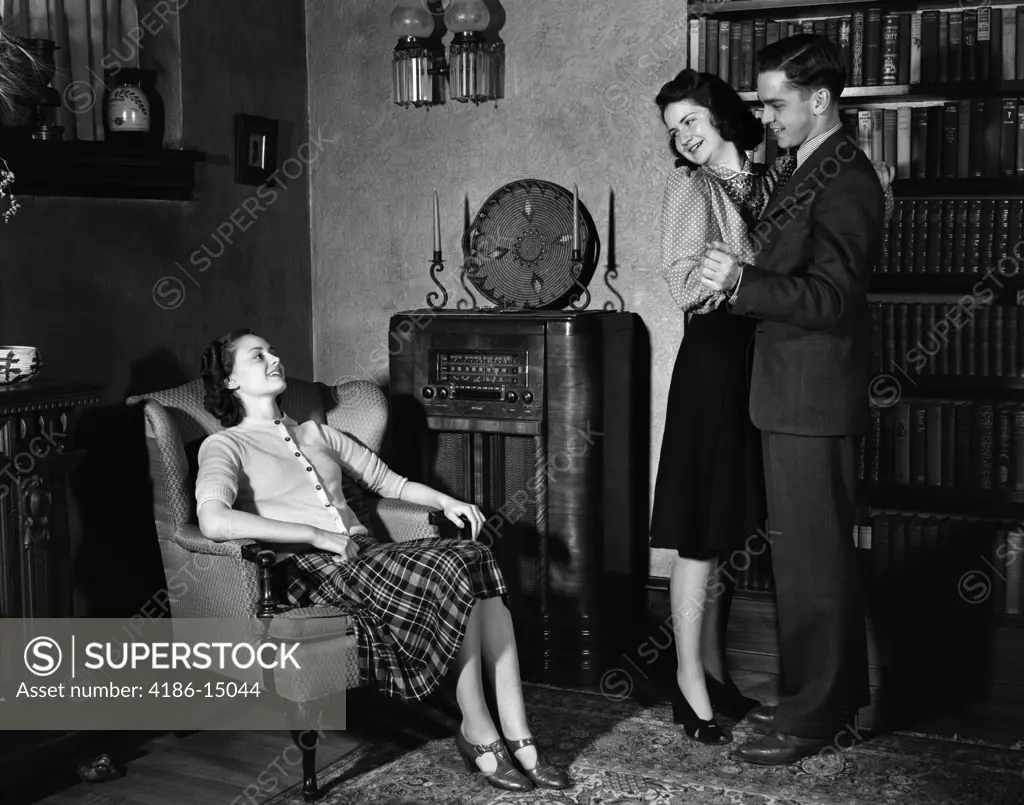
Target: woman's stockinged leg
(477, 726)
(498, 644)
(688, 594)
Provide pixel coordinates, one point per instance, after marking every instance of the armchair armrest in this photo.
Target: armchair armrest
(400, 520)
(188, 537)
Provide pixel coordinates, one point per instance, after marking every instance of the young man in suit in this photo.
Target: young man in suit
(817, 243)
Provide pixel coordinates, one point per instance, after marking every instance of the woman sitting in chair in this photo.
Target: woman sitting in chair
(421, 608)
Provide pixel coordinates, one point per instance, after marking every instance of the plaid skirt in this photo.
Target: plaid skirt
(409, 602)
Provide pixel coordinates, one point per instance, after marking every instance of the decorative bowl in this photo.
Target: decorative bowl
(18, 364)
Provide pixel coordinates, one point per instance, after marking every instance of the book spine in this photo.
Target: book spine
(933, 453)
(983, 463)
(760, 40)
(1008, 138)
(901, 474)
(857, 38)
(873, 47)
(948, 444)
(746, 54)
(724, 28)
(916, 45)
(694, 49)
(902, 35)
(955, 47)
(846, 44)
(1017, 447)
(735, 46)
(889, 134)
(950, 139)
(964, 432)
(1003, 444)
(1009, 68)
(983, 54)
(943, 46)
(969, 46)
(963, 161)
(711, 49)
(930, 44)
(903, 142)
(918, 142)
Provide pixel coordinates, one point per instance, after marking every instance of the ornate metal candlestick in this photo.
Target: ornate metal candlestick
(576, 269)
(435, 267)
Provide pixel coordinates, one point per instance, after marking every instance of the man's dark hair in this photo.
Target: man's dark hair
(809, 62)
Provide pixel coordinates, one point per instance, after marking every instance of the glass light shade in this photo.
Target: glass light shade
(465, 16)
(411, 18)
(476, 69)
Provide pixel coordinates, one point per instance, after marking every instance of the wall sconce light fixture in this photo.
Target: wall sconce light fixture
(475, 69)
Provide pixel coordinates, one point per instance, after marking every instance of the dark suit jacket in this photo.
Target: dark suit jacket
(817, 244)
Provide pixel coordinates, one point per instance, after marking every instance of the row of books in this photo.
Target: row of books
(966, 339)
(752, 571)
(954, 236)
(972, 138)
(989, 554)
(951, 444)
(877, 48)
(985, 555)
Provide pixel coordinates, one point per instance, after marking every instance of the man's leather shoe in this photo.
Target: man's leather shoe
(777, 749)
(762, 718)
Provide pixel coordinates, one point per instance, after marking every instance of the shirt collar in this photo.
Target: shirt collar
(811, 145)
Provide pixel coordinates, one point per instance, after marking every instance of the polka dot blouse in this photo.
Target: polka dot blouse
(705, 204)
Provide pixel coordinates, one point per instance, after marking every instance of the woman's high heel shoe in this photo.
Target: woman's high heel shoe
(707, 732)
(544, 773)
(506, 776)
(727, 699)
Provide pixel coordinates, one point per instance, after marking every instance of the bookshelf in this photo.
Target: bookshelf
(936, 89)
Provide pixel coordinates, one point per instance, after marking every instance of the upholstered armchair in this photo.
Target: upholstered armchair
(232, 580)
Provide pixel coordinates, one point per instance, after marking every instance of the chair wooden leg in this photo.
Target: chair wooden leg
(305, 718)
(307, 741)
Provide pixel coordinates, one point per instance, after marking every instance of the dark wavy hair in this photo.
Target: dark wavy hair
(729, 114)
(218, 361)
(809, 62)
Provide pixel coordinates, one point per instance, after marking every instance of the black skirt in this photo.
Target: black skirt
(710, 493)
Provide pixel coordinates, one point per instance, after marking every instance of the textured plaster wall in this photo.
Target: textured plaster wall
(581, 79)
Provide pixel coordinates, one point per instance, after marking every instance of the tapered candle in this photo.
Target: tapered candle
(437, 225)
(575, 218)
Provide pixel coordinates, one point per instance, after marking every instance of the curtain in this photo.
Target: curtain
(93, 37)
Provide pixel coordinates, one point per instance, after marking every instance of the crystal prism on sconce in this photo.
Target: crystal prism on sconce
(416, 81)
(475, 68)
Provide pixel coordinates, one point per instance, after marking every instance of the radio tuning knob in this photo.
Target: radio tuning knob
(527, 397)
(511, 397)
(442, 393)
(428, 393)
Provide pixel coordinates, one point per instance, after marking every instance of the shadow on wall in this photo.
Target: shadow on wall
(117, 563)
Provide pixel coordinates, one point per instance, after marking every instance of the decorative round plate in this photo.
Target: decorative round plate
(518, 249)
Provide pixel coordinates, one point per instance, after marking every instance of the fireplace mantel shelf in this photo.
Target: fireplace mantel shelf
(100, 170)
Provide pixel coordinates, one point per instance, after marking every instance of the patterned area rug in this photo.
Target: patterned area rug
(621, 752)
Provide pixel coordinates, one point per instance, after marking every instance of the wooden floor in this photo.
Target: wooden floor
(214, 768)
(233, 768)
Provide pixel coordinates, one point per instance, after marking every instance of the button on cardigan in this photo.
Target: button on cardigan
(285, 471)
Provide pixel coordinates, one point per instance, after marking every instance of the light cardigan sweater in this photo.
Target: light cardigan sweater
(285, 471)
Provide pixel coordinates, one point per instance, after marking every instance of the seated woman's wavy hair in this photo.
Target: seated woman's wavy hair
(730, 115)
(218, 362)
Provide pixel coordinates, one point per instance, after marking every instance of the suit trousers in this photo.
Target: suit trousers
(811, 485)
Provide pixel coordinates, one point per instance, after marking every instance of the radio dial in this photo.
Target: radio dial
(511, 397)
(527, 397)
(442, 393)
(428, 393)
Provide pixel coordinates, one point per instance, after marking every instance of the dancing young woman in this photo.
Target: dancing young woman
(710, 493)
